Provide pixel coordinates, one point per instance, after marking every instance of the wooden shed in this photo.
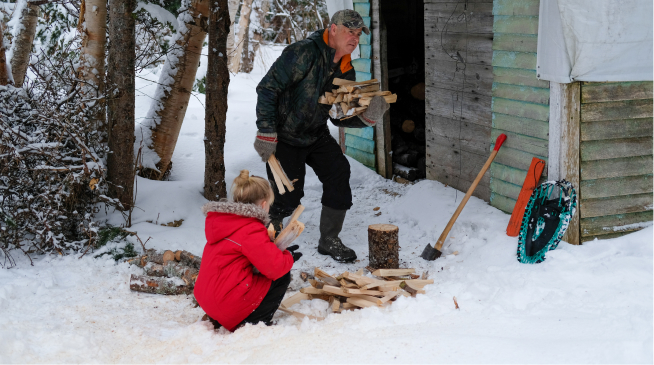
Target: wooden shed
(478, 61)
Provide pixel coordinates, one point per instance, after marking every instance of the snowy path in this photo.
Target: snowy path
(584, 304)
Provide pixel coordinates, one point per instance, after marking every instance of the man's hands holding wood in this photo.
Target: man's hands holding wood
(265, 144)
(375, 112)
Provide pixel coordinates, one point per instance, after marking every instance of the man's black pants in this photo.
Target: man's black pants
(328, 162)
(266, 310)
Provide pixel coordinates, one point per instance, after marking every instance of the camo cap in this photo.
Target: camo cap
(349, 18)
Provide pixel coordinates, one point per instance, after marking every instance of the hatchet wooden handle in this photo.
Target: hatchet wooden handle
(498, 143)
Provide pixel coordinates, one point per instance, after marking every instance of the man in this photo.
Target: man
(293, 125)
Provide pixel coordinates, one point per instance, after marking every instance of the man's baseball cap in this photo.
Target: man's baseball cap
(349, 18)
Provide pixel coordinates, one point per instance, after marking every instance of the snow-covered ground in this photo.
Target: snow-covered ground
(584, 304)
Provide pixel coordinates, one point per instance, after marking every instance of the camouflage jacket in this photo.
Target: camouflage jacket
(287, 97)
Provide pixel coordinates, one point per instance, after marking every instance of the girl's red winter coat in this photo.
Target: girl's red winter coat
(237, 241)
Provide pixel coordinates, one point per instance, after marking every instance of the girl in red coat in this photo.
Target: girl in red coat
(243, 275)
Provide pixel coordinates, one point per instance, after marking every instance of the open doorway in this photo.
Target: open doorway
(405, 52)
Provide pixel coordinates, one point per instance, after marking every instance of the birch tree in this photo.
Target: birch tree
(167, 112)
(22, 44)
(216, 108)
(233, 9)
(121, 100)
(243, 33)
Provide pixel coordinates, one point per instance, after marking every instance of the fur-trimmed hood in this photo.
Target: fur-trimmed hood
(245, 210)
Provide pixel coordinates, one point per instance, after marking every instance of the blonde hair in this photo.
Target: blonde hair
(251, 189)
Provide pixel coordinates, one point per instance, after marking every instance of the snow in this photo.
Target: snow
(584, 304)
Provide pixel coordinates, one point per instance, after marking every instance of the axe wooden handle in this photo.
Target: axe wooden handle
(498, 143)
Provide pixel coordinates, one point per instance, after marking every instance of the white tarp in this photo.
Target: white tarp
(595, 40)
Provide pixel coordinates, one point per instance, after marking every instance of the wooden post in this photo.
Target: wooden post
(564, 159)
(380, 72)
(383, 246)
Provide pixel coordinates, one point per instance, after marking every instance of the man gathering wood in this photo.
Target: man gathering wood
(292, 124)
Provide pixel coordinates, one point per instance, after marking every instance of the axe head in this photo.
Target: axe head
(430, 253)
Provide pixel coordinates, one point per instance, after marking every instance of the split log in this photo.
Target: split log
(383, 246)
(159, 285)
(326, 278)
(393, 272)
(408, 126)
(289, 234)
(408, 288)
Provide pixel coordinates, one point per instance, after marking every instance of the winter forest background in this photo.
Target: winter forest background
(62, 106)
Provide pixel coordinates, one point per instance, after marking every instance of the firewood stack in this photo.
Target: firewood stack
(167, 273)
(408, 131)
(350, 291)
(352, 98)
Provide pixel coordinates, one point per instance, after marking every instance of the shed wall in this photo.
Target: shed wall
(458, 79)
(520, 102)
(616, 158)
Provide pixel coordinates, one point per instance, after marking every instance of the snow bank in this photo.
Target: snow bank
(584, 304)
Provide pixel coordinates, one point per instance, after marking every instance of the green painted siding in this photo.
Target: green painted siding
(360, 142)
(520, 102)
(616, 158)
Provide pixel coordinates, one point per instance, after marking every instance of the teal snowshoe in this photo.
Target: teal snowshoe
(547, 216)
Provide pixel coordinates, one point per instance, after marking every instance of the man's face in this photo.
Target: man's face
(345, 39)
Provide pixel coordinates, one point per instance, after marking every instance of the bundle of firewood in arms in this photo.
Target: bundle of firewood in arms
(350, 291)
(168, 272)
(352, 98)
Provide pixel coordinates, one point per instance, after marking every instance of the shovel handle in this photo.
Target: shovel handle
(498, 143)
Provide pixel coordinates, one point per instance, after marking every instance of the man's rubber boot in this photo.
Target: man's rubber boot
(331, 223)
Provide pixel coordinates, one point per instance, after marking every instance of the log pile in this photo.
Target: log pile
(408, 131)
(167, 273)
(350, 291)
(352, 98)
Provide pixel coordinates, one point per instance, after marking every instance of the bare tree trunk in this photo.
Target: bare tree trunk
(233, 9)
(216, 104)
(243, 34)
(248, 56)
(93, 26)
(169, 111)
(4, 79)
(120, 77)
(22, 46)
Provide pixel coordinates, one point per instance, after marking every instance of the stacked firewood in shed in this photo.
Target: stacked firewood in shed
(168, 272)
(408, 131)
(350, 291)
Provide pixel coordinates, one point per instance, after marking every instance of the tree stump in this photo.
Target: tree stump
(383, 246)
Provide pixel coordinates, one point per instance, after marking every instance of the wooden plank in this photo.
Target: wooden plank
(459, 17)
(616, 167)
(613, 110)
(517, 76)
(516, 158)
(516, 7)
(359, 302)
(448, 164)
(616, 186)
(393, 272)
(515, 42)
(608, 129)
(569, 147)
(505, 189)
(594, 92)
(524, 126)
(459, 47)
(380, 70)
(294, 299)
(515, 24)
(473, 108)
(522, 60)
(450, 177)
(615, 223)
(365, 158)
(359, 143)
(502, 203)
(455, 76)
(615, 205)
(362, 65)
(507, 173)
(534, 146)
(367, 132)
(523, 93)
(521, 109)
(458, 134)
(616, 148)
(604, 236)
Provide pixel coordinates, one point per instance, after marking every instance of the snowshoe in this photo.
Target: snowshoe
(547, 216)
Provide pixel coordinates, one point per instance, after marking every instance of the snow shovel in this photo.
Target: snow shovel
(432, 253)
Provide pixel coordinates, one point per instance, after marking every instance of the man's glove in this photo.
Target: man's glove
(375, 112)
(296, 255)
(265, 144)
